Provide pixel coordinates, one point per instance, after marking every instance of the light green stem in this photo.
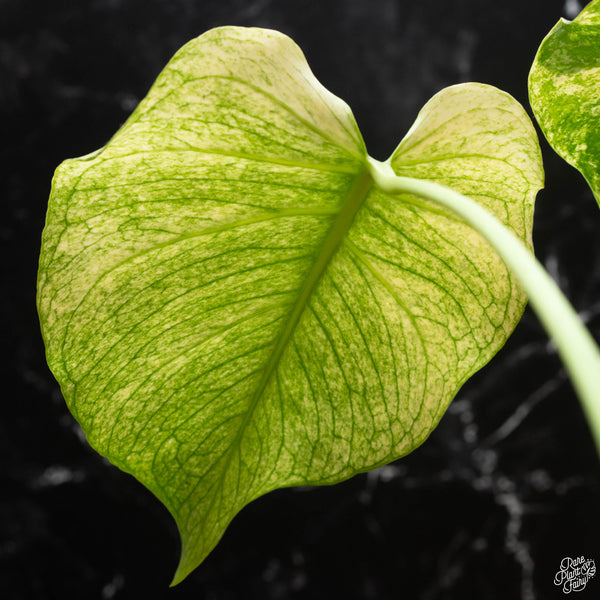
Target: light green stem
(575, 345)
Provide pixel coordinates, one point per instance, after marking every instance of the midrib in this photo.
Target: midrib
(352, 203)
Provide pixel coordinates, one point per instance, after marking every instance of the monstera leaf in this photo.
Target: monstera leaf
(564, 90)
(231, 305)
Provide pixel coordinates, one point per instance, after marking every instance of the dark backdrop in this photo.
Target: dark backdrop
(506, 486)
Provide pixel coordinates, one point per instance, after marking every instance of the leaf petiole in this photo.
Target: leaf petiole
(575, 345)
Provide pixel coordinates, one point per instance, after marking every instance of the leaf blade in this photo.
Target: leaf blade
(563, 83)
(210, 303)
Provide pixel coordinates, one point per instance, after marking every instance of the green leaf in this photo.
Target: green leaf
(231, 306)
(564, 91)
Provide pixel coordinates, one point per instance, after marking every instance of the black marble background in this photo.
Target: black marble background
(506, 486)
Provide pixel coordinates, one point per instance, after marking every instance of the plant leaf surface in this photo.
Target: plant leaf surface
(564, 91)
(231, 307)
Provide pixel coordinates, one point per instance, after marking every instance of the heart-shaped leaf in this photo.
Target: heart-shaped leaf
(564, 91)
(231, 306)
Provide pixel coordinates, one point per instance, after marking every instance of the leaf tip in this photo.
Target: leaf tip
(184, 568)
(179, 576)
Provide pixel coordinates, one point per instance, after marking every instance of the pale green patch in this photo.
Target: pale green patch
(231, 305)
(564, 91)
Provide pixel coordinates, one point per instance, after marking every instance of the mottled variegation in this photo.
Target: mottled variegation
(564, 91)
(231, 306)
